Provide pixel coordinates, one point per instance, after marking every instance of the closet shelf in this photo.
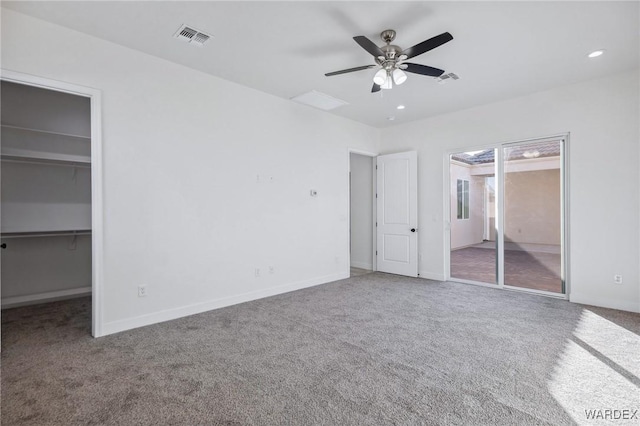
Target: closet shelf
(32, 234)
(49, 132)
(36, 157)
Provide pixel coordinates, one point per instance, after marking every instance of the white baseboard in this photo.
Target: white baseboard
(362, 265)
(431, 276)
(50, 296)
(171, 314)
(605, 303)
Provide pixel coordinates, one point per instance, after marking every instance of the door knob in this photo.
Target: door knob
(413, 229)
(3, 245)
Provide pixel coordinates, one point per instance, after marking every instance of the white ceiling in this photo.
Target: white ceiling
(500, 50)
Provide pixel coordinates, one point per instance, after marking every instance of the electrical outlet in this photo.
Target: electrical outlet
(257, 272)
(272, 270)
(617, 279)
(142, 291)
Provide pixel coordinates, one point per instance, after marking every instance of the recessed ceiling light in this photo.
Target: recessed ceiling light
(391, 118)
(595, 53)
(400, 107)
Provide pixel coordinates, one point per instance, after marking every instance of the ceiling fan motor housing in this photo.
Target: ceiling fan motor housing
(390, 58)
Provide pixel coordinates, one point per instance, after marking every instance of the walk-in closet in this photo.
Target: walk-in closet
(46, 195)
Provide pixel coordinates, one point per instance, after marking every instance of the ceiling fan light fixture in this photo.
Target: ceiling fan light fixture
(388, 84)
(399, 76)
(380, 78)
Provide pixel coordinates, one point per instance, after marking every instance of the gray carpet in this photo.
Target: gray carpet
(375, 349)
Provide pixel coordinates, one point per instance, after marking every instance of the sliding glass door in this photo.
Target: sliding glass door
(507, 210)
(473, 244)
(533, 216)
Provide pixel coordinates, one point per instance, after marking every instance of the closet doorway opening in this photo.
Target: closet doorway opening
(507, 216)
(361, 213)
(51, 197)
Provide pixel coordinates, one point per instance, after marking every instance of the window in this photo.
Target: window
(463, 199)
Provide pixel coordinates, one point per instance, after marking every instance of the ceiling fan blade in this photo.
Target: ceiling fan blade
(366, 67)
(369, 46)
(427, 45)
(375, 88)
(423, 69)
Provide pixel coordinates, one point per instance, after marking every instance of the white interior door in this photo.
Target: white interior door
(397, 213)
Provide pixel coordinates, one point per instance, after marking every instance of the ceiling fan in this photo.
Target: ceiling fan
(390, 59)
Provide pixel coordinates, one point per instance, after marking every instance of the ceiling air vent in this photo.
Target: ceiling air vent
(191, 35)
(444, 77)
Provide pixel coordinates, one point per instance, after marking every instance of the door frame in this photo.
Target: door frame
(373, 156)
(499, 178)
(97, 227)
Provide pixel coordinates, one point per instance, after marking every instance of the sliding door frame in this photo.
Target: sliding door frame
(499, 178)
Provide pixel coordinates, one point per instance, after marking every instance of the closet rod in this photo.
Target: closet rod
(45, 234)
